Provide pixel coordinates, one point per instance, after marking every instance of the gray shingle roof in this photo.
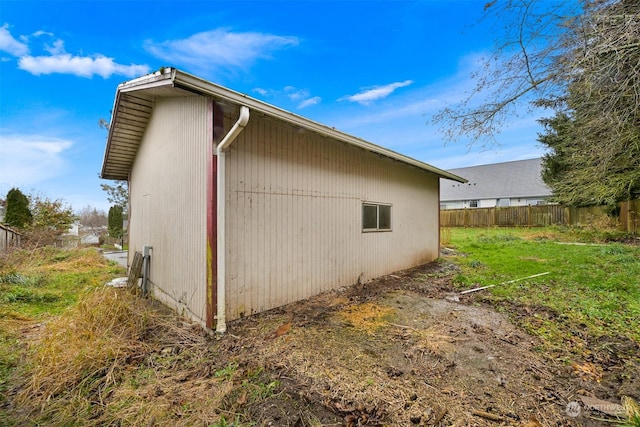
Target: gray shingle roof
(520, 178)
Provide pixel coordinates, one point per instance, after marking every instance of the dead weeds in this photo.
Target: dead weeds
(392, 352)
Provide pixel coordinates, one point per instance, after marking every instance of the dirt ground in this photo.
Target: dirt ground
(401, 351)
(397, 351)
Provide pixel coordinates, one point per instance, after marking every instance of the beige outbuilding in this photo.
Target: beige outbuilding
(244, 207)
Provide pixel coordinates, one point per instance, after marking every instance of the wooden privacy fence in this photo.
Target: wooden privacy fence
(539, 216)
(630, 216)
(8, 238)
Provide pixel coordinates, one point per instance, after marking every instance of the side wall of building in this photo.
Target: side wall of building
(168, 186)
(294, 216)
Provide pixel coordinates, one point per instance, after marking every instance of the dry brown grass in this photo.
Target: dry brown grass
(82, 365)
(445, 236)
(51, 259)
(86, 344)
(632, 411)
(367, 317)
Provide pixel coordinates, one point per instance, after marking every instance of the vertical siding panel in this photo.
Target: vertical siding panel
(315, 187)
(298, 221)
(169, 173)
(289, 268)
(261, 224)
(278, 292)
(273, 167)
(251, 197)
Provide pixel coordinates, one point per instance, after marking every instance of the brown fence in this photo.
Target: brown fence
(8, 238)
(539, 216)
(630, 216)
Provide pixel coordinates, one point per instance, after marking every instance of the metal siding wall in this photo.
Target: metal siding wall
(294, 202)
(168, 202)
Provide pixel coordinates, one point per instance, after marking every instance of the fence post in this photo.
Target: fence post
(633, 212)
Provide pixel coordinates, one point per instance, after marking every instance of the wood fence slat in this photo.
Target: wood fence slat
(135, 271)
(540, 216)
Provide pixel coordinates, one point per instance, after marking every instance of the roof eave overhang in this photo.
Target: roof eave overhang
(186, 83)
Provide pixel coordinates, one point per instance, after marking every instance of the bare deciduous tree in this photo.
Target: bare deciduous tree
(93, 218)
(581, 61)
(527, 65)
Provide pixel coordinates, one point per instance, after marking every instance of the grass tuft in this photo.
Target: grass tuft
(82, 348)
(632, 411)
(367, 317)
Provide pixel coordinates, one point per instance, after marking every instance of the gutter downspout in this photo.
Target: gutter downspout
(221, 325)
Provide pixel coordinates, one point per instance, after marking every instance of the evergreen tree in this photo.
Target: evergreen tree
(17, 212)
(115, 221)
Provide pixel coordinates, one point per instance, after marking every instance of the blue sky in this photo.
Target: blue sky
(378, 70)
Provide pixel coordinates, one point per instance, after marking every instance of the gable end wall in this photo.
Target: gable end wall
(168, 203)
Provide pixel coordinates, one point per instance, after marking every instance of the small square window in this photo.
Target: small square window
(376, 217)
(473, 203)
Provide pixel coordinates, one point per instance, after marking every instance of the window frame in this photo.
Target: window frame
(377, 228)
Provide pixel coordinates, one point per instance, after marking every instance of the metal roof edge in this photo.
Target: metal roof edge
(162, 77)
(188, 81)
(114, 110)
(173, 77)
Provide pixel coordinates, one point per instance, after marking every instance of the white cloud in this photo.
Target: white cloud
(58, 61)
(302, 97)
(11, 45)
(30, 159)
(56, 49)
(82, 66)
(367, 96)
(296, 94)
(309, 102)
(41, 33)
(220, 48)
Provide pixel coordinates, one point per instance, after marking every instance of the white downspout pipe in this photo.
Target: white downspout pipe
(221, 325)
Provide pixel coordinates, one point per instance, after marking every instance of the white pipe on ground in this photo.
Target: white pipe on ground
(221, 325)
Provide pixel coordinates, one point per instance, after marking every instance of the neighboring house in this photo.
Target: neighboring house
(90, 239)
(245, 207)
(517, 183)
(73, 229)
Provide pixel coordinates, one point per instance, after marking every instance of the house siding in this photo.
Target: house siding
(294, 216)
(168, 188)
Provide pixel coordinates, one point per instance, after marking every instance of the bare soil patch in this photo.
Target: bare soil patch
(396, 351)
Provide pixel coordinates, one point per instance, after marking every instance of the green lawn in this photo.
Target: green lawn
(591, 289)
